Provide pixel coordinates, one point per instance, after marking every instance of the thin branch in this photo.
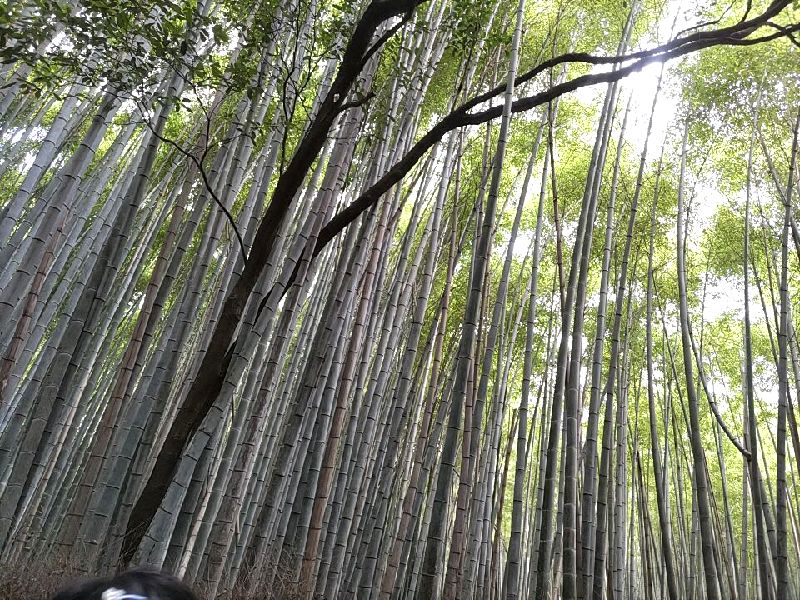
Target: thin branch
(199, 164)
(713, 21)
(712, 402)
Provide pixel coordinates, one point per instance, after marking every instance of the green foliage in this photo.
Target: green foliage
(724, 242)
(122, 43)
(467, 20)
(726, 88)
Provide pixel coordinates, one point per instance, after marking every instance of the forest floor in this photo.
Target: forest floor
(42, 580)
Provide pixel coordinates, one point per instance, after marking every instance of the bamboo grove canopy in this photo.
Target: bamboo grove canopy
(402, 299)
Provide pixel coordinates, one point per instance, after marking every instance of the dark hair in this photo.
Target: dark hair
(137, 583)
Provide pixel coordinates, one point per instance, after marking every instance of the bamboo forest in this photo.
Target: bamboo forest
(401, 299)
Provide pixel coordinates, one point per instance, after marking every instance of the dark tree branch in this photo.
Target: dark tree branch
(357, 102)
(787, 31)
(212, 371)
(735, 35)
(384, 38)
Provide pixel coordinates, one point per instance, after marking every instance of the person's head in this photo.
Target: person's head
(137, 584)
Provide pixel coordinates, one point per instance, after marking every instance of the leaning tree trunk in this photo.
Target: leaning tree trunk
(513, 568)
(698, 454)
(782, 559)
(661, 499)
(435, 540)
